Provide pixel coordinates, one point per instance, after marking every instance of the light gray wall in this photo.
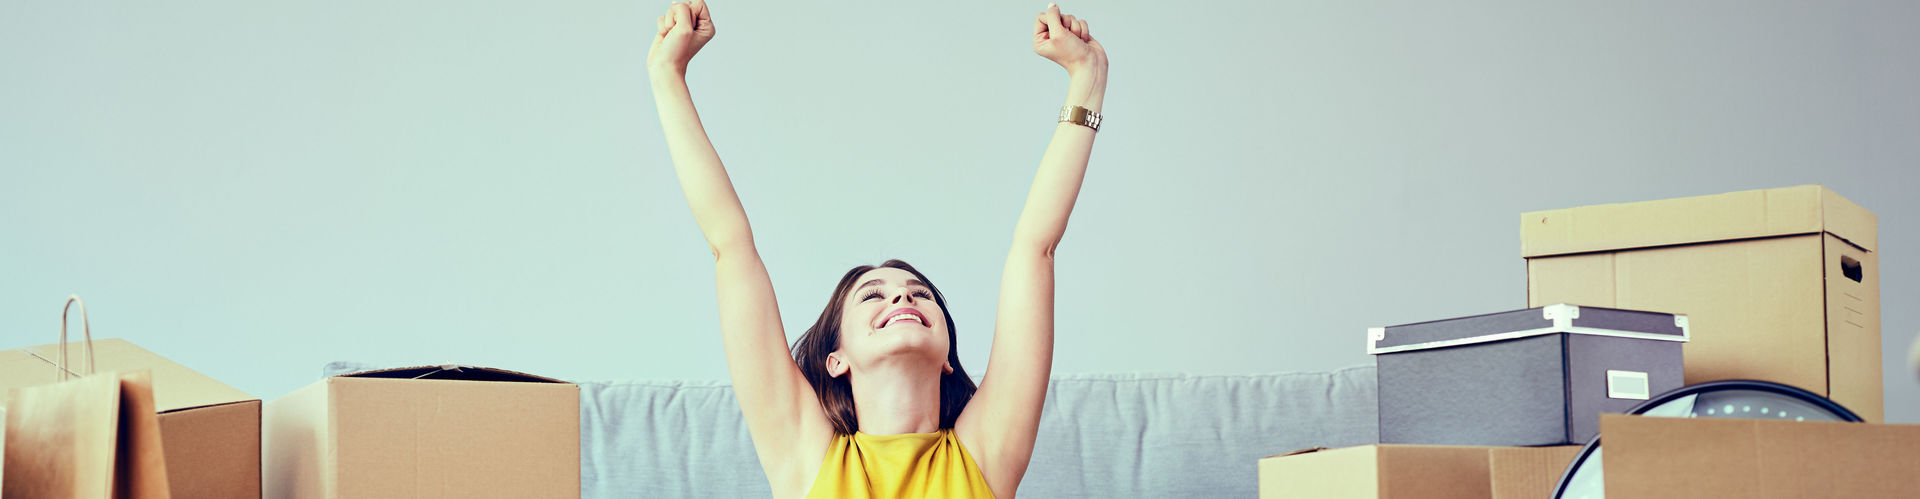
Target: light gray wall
(254, 189)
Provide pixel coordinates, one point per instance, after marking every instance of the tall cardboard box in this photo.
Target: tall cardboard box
(425, 432)
(1780, 284)
(210, 432)
(1760, 458)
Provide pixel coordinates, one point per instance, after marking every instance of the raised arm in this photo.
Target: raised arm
(782, 413)
(1004, 415)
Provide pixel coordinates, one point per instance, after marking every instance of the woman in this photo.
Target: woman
(919, 427)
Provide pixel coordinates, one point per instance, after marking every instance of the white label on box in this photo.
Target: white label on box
(1627, 385)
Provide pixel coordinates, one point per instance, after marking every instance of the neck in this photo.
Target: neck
(893, 399)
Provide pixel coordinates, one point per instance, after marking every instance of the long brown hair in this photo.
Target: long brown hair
(836, 394)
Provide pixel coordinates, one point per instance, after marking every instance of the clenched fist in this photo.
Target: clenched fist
(685, 28)
(1068, 42)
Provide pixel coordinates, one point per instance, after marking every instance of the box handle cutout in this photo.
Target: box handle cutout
(1851, 268)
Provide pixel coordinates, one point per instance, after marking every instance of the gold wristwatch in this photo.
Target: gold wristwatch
(1080, 116)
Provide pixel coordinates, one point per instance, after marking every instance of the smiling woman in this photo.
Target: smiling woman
(896, 298)
(874, 386)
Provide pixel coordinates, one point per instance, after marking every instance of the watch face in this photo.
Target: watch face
(1735, 399)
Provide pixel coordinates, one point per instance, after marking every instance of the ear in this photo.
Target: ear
(946, 368)
(835, 365)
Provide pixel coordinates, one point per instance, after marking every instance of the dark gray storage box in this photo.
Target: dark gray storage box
(1540, 376)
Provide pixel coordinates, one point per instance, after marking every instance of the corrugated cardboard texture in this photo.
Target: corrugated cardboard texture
(213, 452)
(1686, 457)
(424, 438)
(1759, 309)
(1806, 209)
(432, 438)
(1528, 472)
(1378, 471)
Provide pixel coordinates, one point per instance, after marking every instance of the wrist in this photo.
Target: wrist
(1087, 89)
(663, 73)
(1089, 71)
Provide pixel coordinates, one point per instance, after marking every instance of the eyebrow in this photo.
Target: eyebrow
(877, 282)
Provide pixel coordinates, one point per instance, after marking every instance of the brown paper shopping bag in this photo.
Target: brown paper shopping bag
(93, 436)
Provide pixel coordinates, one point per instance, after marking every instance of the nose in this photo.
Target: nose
(901, 294)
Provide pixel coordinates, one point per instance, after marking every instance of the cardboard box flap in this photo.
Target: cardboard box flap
(1806, 209)
(454, 372)
(175, 387)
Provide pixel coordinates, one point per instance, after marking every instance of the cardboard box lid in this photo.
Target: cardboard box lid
(1806, 209)
(175, 387)
(1551, 319)
(456, 372)
(1702, 457)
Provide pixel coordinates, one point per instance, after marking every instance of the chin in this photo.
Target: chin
(906, 343)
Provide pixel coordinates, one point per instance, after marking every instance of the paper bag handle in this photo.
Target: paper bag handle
(85, 328)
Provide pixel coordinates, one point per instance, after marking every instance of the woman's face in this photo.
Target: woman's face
(890, 316)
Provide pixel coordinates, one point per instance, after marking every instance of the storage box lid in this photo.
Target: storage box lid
(453, 372)
(175, 387)
(1551, 319)
(1806, 209)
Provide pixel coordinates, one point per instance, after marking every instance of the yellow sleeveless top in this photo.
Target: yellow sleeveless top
(930, 465)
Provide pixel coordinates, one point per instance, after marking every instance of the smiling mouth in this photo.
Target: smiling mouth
(903, 315)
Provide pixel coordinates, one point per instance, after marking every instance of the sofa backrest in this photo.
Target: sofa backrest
(1129, 435)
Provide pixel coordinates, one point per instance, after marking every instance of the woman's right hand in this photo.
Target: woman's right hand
(685, 28)
(1068, 42)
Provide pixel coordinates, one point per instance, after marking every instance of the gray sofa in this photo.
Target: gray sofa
(1132, 435)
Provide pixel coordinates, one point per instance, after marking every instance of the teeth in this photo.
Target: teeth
(901, 317)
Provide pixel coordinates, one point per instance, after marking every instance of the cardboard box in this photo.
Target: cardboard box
(1762, 458)
(210, 432)
(1781, 284)
(1377, 471)
(1540, 376)
(425, 432)
(1528, 472)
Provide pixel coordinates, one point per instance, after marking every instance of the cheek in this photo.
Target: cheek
(854, 319)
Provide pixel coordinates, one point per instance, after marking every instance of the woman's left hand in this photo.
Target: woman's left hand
(1069, 42)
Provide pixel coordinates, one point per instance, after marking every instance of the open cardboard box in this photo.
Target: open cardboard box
(1779, 285)
(1702, 457)
(210, 432)
(420, 432)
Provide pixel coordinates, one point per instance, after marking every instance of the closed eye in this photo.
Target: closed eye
(870, 295)
(923, 295)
